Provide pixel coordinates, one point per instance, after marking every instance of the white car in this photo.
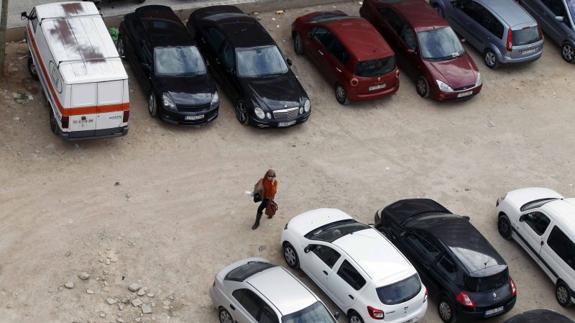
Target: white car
(253, 290)
(542, 222)
(356, 266)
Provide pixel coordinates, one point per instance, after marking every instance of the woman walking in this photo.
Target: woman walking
(268, 188)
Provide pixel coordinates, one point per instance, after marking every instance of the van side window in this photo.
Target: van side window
(563, 246)
(350, 275)
(537, 221)
(483, 17)
(33, 19)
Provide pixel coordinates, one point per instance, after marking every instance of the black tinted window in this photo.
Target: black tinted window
(485, 284)
(227, 56)
(482, 16)
(326, 254)
(249, 301)
(526, 36)
(447, 267)
(400, 292)
(323, 36)
(336, 230)
(537, 221)
(338, 51)
(351, 275)
(268, 316)
(376, 67)
(563, 246)
(423, 246)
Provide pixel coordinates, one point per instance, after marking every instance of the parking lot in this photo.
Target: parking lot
(165, 206)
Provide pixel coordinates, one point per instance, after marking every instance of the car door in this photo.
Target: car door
(251, 308)
(404, 41)
(531, 226)
(476, 23)
(457, 18)
(552, 10)
(318, 261)
(423, 254)
(320, 41)
(346, 285)
(559, 255)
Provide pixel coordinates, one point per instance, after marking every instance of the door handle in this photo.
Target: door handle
(542, 242)
(320, 52)
(232, 307)
(350, 296)
(324, 272)
(338, 69)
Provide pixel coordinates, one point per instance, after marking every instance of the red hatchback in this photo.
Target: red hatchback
(428, 50)
(349, 52)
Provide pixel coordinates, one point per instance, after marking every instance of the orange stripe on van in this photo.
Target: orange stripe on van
(67, 112)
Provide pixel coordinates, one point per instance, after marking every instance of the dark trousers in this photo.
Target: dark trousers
(261, 209)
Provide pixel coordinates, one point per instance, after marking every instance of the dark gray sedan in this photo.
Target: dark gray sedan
(501, 30)
(556, 18)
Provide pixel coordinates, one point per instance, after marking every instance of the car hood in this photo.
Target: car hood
(275, 93)
(457, 72)
(195, 90)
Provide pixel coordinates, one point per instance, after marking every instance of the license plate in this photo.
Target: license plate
(493, 311)
(464, 94)
(377, 87)
(529, 51)
(286, 124)
(192, 118)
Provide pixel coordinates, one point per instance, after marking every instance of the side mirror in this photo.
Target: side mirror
(23, 15)
(336, 314)
(289, 62)
(560, 18)
(522, 218)
(307, 249)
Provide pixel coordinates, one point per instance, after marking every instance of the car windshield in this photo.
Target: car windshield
(315, 313)
(400, 292)
(376, 67)
(260, 61)
(333, 231)
(526, 36)
(178, 61)
(439, 44)
(484, 284)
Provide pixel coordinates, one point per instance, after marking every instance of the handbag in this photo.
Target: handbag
(271, 209)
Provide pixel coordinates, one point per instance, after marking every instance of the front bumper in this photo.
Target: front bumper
(480, 313)
(271, 123)
(195, 118)
(94, 134)
(457, 95)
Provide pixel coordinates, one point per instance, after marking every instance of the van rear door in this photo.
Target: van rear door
(84, 98)
(110, 104)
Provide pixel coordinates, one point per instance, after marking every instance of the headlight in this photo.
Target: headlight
(168, 102)
(479, 80)
(307, 105)
(259, 113)
(215, 99)
(443, 87)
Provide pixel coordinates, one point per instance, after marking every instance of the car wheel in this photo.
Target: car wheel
(32, 68)
(563, 294)
(504, 227)
(225, 316)
(446, 310)
(568, 52)
(341, 95)
(290, 255)
(121, 46)
(490, 59)
(353, 317)
(153, 105)
(422, 87)
(53, 123)
(241, 113)
(297, 44)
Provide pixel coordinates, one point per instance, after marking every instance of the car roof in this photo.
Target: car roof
(563, 213)
(537, 316)
(420, 15)
(163, 27)
(369, 46)
(378, 257)
(282, 290)
(403, 210)
(464, 241)
(509, 11)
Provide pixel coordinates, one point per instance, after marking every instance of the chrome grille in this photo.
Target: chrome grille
(286, 114)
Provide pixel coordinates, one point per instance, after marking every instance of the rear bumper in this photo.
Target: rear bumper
(358, 97)
(523, 59)
(94, 134)
(479, 314)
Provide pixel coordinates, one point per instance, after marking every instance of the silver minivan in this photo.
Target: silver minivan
(556, 19)
(501, 30)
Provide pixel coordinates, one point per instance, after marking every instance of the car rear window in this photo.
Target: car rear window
(400, 292)
(336, 230)
(526, 36)
(244, 271)
(484, 284)
(376, 67)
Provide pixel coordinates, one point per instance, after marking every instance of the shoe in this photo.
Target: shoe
(255, 226)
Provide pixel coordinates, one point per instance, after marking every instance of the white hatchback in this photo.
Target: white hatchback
(542, 222)
(255, 291)
(356, 266)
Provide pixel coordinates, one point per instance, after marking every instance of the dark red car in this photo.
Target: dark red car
(427, 49)
(349, 52)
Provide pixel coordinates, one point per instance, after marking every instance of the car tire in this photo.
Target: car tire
(490, 59)
(568, 52)
(504, 227)
(563, 294)
(53, 123)
(446, 310)
(297, 44)
(353, 317)
(224, 316)
(121, 46)
(32, 68)
(422, 87)
(341, 94)
(290, 255)
(153, 105)
(241, 113)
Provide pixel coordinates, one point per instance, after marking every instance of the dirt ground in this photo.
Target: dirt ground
(165, 207)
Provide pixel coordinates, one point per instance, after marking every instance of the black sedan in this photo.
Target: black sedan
(458, 265)
(169, 66)
(539, 316)
(250, 67)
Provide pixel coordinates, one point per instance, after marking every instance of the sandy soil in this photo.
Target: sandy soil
(165, 206)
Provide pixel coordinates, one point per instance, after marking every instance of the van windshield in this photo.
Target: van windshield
(484, 284)
(178, 61)
(526, 36)
(400, 292)
(439, 44)
(376, 67)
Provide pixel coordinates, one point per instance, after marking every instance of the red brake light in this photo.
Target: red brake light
(65, 122)
(126, 116)
(509, 40)
(465, 300)
(513, 287)
(375, 313)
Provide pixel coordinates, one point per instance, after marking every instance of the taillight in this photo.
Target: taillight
(426, 295)
(354, 82)
(465, 300)
(375, 313)
(509, 45)
(513, 287)
(65, 122)
(126, 116)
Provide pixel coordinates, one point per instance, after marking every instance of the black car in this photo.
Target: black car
(169, 66)
(250, 67)
(457, 263)
(539, 316)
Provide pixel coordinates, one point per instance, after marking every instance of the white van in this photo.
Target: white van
(82, 75)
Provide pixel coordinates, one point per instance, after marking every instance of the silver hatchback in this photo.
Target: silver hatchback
(501, 30)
